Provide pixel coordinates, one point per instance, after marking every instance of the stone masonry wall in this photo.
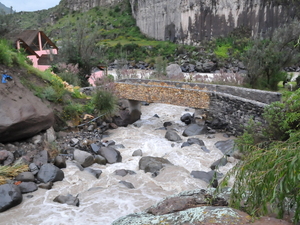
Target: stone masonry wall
(231, 109)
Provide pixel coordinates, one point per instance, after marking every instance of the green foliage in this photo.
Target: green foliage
(222, 51)
(283, 118)
(269, 178)
(72, 110)
(104, 101)
(160, 67)
(266, 58)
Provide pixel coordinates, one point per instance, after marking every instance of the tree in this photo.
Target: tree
(266, 59)
(79, 47)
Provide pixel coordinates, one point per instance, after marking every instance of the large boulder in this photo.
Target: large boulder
(22, 114)
(129, 112)
(174, 70)
(10, 196)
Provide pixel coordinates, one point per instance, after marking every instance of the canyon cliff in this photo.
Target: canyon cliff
(85, 5)
(192, 21)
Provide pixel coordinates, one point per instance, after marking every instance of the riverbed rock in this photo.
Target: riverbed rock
(137, 152)
(85, 159)
(172, 136)
(49, 172)
(187, 118)
(41, 158)
(123, 172)
(6, 157)
(210, 177)
(27, 187)
(10, 196)
(25, 177)
(129, 112)
(67, 199)
(110, 154)
(60, 161)
(95, 173)
(191, 141)
(226, 147)
(194, 129)
(127, 184)
(153, 164)
(220, 162)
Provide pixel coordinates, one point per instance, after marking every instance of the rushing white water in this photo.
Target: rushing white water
(104, 200)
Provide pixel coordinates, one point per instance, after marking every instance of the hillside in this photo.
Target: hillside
(4, 9)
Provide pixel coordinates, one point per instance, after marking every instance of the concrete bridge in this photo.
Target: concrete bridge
(231, 106)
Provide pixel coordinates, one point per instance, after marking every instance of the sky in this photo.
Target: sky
(29, 5)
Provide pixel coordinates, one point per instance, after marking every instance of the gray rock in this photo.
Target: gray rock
(33, 168)
(137, 153)
(173, 70)
(172, 136)
(41, 158)
(187, 118)
(49, 172)
(10, 196)
(127, 184)
(95, 148)
(25, 177)
(96, 173)
(220, 162)
(60, 161)
(110, 154)
(85, 159)
(100, 160)
(191, 141)
(226, 147)
(210, 177)
(67, 199)
(6, 157)
(27, 187)
(47, 185)
(50, 135)
(194, 129)
(123, 172)
(153, 164)
(25, 117)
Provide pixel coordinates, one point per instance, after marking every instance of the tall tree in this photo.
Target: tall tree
(267, 58)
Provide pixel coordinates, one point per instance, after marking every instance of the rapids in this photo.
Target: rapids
(104, 200)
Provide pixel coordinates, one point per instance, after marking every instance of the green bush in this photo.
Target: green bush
(105, 102)
(267, 179)
(70, 78)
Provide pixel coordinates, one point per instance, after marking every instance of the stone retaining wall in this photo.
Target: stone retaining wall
(232, 106)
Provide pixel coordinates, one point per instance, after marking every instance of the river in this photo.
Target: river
(104, 200)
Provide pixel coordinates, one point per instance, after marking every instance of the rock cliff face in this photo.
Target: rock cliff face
(190, 21)
(85, 5)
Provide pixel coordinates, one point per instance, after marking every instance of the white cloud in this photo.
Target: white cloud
(29, 5)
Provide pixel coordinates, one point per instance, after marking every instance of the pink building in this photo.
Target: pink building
(38, 46)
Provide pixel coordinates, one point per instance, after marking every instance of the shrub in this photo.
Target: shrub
(104, 101)
(268, 180)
